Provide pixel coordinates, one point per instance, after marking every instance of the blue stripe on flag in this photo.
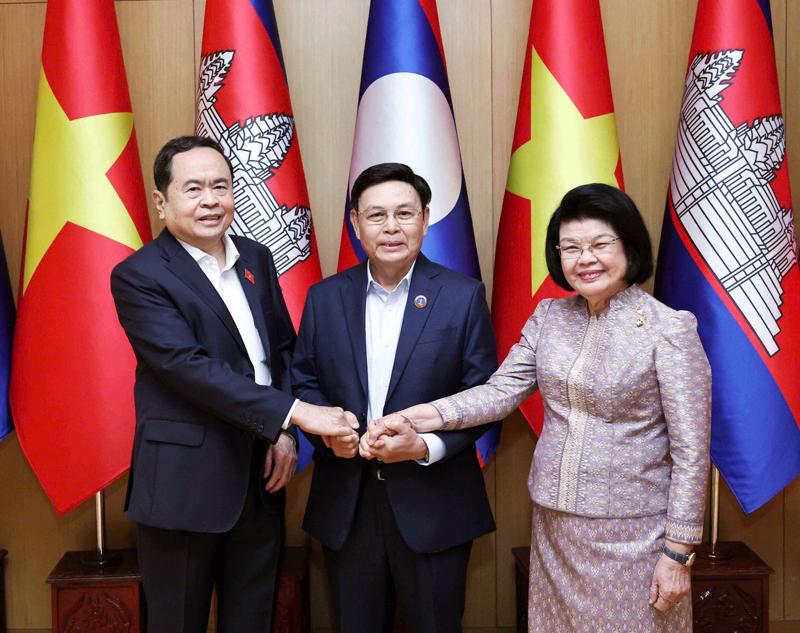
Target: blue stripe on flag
(767, 11)
(6, 337)
(305, 451)
(392, 25)
(266, 12)
(451, 241)
(755, 441)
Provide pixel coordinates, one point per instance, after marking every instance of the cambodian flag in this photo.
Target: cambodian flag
(405, 115)
(728, 250)
(243, 102)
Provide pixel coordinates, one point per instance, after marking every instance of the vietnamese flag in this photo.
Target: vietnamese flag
(565, 136)
(72, 368)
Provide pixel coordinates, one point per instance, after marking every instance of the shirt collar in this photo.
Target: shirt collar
(374, 285)
(231, 252)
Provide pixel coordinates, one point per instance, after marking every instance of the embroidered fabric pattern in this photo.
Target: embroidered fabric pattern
(577, 421)
(626, 409)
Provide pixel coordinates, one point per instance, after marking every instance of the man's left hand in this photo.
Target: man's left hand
(280, 462)
(403, 445)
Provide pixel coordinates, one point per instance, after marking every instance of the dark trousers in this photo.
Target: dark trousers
(375, 570)
(179, 570)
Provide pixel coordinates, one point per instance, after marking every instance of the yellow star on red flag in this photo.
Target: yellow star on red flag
(69, 181)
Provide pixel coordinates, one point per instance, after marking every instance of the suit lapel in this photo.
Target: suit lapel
(253, 286)
(181, 264)
(354, 299)
(424, 284)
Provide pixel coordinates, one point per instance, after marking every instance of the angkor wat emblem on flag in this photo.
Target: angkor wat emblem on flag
(721, 193)
(256, 149)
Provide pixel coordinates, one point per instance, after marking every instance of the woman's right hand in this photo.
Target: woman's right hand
(424, 418)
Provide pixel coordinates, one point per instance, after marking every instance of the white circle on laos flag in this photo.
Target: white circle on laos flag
(405, 118)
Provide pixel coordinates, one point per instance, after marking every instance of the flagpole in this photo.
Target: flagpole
(100, 520)
(101, 557)
(715, 553)
(714, 506)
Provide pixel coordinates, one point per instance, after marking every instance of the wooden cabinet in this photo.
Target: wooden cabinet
(109, 599)
(101, 599)
(732, 594)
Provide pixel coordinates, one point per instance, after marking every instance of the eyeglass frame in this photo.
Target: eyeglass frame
(392, 214)
(587, 247)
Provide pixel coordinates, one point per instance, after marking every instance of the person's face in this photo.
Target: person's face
(596, 273)
(395, 243)
(198, 207)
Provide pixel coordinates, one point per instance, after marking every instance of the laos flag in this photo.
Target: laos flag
(243, 103)
(405, 115)
(728, 250)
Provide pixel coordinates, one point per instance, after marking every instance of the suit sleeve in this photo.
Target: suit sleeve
(479, 360)
(164, 341)
(304, 372)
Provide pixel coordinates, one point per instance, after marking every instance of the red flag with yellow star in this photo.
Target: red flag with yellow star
(72, 367)
(565, 136)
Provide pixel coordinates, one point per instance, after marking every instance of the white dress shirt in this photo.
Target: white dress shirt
(383, 321)
(227, 283)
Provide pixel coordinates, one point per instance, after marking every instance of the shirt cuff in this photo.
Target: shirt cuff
(436, 449)
(288, 421)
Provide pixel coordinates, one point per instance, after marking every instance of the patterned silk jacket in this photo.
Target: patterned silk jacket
(627, 401)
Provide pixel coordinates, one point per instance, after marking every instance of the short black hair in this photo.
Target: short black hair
(614, 207)
(384, 172)
(162, 165)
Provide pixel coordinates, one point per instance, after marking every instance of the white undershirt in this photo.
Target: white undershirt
(383, 321)
(227, 283)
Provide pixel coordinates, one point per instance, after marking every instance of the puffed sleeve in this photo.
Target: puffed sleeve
(684, 380)
(506, 389)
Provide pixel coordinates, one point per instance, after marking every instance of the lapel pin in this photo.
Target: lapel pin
(639, 321)
(420, 301)
(249, 276)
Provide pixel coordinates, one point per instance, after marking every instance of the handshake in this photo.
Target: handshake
(392, 438)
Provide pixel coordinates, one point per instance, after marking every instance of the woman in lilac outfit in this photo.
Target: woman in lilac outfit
(618, 478)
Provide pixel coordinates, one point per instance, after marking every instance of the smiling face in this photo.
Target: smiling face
(595, 276)
(198, 205)
(391, 247)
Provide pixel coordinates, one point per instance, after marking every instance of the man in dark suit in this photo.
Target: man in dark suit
(391, 332)
(212, 337)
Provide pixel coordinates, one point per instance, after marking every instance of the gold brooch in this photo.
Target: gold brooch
(640, 319)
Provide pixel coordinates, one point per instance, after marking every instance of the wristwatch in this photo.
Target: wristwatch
(687, 560)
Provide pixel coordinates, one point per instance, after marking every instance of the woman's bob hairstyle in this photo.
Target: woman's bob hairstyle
(614, 207)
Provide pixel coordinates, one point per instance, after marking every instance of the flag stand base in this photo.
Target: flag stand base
(97, 558)
(83, 596)
(716, 553)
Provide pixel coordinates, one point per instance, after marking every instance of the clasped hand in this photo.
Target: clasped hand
(324, 421)
(390, 439)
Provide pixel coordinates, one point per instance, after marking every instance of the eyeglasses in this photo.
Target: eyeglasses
(402, 215)
(600, 246)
